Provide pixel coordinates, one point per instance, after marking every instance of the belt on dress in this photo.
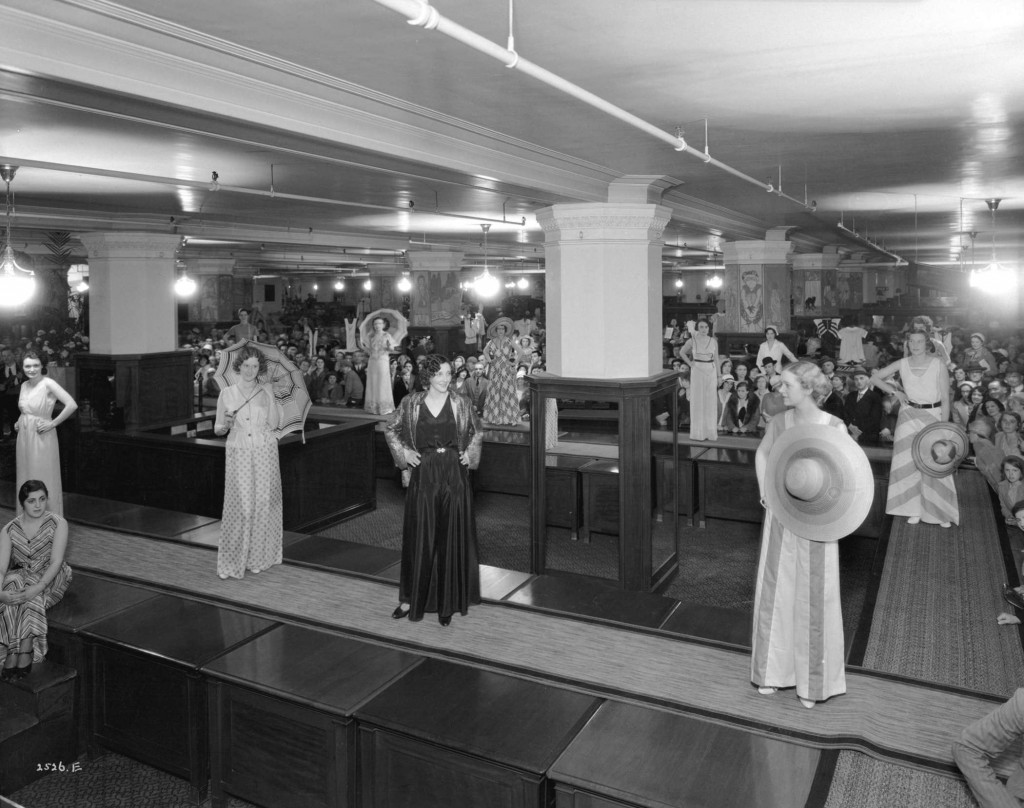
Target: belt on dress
(703, 360)
(918, 406)
(437, 449)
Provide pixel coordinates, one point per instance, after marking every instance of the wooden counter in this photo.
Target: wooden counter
(281, 728)
(449, 735)
(148, 698)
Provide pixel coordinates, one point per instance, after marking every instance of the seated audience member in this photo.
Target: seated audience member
(761, 389)
(354, 388)
(459, 381)
(331, 391)
(998, 390)
(768, 369)
(985, 740)
(742, 410)
(975, 374)
(403, 382)
(987, 457)
(726, 386)
(863, 408)
(742, 372)
(828, 367)
(1015, 403)
(1011, 486)
(306, 378)
(1008, 439)
(1014, 382)
(890, 413)
(835, 402)
(992, 408)
(683, 394)
(960, 409)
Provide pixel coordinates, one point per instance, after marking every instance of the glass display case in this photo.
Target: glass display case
(604, 483)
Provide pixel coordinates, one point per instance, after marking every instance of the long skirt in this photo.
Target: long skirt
(440, 572)
(24, 620)
(798, 618)
(252, 526)
(703, 402)
(911, 493)
(38, 458)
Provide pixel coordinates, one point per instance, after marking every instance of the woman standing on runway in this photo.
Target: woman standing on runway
(924, 398)
(701, 353)
(378, 397)
(38, 455)
(251, 528)
(437, 435)
(798, 621)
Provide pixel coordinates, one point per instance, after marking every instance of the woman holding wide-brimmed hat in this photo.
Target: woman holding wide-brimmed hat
(924, 398)
(798, 622)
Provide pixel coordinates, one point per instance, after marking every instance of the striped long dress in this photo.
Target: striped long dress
(30, 558)
(798, 620)
(911, 493)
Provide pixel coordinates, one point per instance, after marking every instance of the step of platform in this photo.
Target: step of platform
(19, 731)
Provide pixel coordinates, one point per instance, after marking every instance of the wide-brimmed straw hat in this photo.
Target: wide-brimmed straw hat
(492, 329)
(818, 482)
(940, 448)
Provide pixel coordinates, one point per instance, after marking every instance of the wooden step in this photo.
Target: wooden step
(19, 731)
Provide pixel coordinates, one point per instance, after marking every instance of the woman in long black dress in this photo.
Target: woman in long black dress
(437, 435)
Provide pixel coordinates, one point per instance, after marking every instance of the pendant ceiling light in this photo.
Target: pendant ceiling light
(994, 279)
(17, 285)
(485, 284)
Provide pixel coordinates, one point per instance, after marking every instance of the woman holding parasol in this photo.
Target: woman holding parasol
(252, 521)
(378, 340)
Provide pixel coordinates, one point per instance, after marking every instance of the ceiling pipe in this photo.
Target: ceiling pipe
(421, 13)
(217, 186)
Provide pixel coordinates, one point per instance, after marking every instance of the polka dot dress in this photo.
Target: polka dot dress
(252, 521)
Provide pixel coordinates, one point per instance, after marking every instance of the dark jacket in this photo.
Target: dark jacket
(400, 431)
(865, 414)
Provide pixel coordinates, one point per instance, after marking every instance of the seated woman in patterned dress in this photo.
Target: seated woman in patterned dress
(35, 577)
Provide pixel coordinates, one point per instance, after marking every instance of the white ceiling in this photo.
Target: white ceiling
(898, 118)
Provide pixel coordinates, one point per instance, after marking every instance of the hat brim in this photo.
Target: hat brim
(492, 329)
(846, 495)
(923, 450)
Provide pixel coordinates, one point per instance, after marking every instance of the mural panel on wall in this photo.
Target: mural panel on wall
(751, 299)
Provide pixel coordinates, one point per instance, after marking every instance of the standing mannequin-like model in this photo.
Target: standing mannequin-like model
(379, 398)
(701, 353)
(924, 398)
(798, 621)
(38, 454)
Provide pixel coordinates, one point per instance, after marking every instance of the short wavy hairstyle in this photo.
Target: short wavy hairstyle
(248, 353)
(811, 379)
(30, 487)
(1011, 460)
(430, 368)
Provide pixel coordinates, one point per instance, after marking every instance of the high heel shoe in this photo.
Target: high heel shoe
(9, 674)
(400, 611)
(445, 621)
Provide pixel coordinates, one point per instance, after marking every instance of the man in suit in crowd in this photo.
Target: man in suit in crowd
(477, 385)
(863, 413)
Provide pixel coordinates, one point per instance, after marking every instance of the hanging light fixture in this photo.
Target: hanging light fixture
(994, 279)
(367, 284)
(339, 285)
(184, 286)
(715, 281)
(485, 284)
(523, 284)
(404, 284)
(17, 285)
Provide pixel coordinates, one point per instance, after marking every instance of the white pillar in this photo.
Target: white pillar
(603, 282)
(132, 307)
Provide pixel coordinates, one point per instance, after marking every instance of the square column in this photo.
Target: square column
(604, 288)
(131, 292)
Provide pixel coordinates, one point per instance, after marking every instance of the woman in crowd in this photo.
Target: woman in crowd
(404, 383)
(741, 371)
(459, 382)
(798, 622)
(37, 451)
(1011, 486)
(773, 348)
(977, 353)
(1008, 439)
(438, 436)
(252, 523)
(378, 397)
(725, 369)
(742, 410)
(924, 398)
(35, 577)
(502, 404)
(977, 404)
(331, 391)
(701, 353)
(726, 389)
